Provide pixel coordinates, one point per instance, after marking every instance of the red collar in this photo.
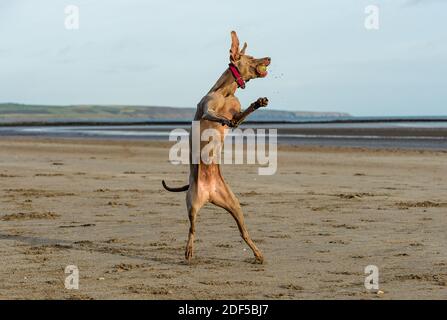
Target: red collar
(237, 76)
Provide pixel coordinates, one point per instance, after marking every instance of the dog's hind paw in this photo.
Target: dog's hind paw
(188, 253)
(259, 259)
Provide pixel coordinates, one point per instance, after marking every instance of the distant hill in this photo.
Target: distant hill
(12, 112)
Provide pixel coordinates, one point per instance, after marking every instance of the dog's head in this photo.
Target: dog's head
(249, 67)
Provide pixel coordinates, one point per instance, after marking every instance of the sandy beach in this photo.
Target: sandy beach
(320, 220)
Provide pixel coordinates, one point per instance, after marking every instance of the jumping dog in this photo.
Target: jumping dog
(220, 109)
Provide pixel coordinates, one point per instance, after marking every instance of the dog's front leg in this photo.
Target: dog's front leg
(240, 117)
(211, 115)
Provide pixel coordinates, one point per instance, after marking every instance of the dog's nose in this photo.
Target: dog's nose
(268, 60)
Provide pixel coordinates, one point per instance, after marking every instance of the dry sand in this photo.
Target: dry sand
(325, 216)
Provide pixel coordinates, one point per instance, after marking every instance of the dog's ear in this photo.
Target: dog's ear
(243, 48)
(234, 51)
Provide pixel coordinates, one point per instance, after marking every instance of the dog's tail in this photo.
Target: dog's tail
(184, 188)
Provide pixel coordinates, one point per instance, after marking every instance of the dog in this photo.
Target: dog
(219, 109)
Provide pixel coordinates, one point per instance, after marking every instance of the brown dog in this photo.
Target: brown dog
(218, 110)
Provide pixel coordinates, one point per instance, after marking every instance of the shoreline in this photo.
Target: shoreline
(402, 137)
(125, 122)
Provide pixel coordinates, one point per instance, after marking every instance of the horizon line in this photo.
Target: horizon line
(348, 114)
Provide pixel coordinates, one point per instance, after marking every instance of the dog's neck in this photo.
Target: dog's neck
(225, 85)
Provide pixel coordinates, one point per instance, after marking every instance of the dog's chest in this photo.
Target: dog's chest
(231, 107)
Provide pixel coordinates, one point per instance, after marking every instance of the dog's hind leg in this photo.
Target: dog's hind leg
(193, 204)
(223, 197)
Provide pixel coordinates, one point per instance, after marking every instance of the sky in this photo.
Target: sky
(170, 53)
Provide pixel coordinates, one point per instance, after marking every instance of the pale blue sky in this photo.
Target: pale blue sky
(171, 52)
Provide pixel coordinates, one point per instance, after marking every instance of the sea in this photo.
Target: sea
(420, 133)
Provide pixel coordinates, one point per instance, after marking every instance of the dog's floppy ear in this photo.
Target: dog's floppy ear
(243, 48)
(234, 51)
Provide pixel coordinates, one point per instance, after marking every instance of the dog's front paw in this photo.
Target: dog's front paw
(230, 123)
(226, 122)
(234, 123)
(261, 102)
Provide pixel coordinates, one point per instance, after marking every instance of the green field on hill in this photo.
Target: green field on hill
(12, 112)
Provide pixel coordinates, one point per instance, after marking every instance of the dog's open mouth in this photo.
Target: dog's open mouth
(262, 70)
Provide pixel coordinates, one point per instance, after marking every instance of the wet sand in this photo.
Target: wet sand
(320, 220)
